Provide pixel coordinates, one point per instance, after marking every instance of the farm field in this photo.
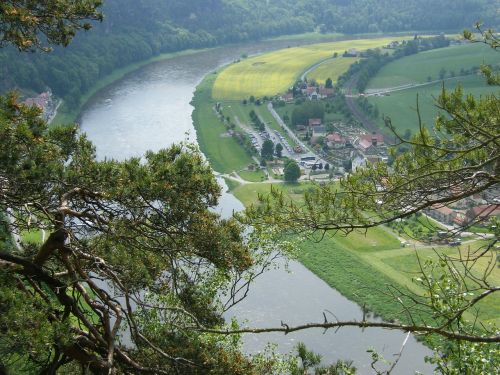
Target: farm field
(275, 72)
(332, 69)
(417, 68)
(400, 106)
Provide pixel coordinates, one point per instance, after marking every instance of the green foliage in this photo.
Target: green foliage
(23, 23)
(307, 358)
(267, 151)
(291, 171)
(309, 109)
(143, 225)
(279, 150)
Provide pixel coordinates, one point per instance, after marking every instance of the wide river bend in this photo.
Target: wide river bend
(150, 109)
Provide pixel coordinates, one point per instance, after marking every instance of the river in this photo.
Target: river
(150, 109)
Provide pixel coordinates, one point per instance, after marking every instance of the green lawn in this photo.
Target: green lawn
(253, 176)
(223, 152)
(400, 106)
(248, 193)
(417, 68)
(405, 265)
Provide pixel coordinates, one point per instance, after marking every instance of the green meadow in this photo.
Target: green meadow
(363, 264)
(418, 68)
(401, 106)
(223, 152)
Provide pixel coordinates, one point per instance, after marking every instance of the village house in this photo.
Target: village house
(442, 214)
(393, 45)
(319, 130)
(315, 122)
(368, 143)
(311, 92)
(335, 141)
(41, 101)
(287, 98)
(351, 52)
(324, 92)
(482, 213)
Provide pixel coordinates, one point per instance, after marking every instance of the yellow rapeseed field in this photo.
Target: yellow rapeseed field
(332, 69)
(275, 72)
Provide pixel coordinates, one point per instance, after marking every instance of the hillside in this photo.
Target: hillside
(138, 30)
(418, 68)
(451, 66)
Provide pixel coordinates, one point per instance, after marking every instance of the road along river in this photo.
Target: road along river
(150, 109)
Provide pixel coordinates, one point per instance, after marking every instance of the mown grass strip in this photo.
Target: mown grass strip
(223, 152)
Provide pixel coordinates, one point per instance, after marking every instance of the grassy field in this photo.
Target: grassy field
(252, 176)
(362, 265)
(275, 72)
(248, 193)
(417, 68)
(400, 105)
(223, 152)
(332, 69)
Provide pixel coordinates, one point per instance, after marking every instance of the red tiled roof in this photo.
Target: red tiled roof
(443, 210)
(315, 122)
(370, 137)
(484, 210)
(335, 137)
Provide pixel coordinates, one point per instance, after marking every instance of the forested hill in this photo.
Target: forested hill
(136, 30)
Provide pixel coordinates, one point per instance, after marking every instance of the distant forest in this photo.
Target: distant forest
(137, 30)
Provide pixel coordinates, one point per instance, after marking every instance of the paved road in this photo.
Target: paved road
(276, 139)
(310, 69)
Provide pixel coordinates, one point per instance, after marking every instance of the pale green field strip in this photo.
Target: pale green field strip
(223, 152)
(275, 72)
(400, 106)
(332, 69)
(417, 68)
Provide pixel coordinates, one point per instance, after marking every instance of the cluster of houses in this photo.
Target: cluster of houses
(345, 143)
(477, 208)
(44, 102)
(309, 91)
